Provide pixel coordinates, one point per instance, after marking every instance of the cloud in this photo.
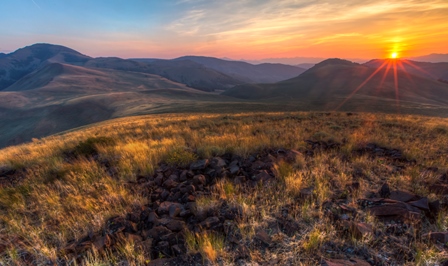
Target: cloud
(293, 23)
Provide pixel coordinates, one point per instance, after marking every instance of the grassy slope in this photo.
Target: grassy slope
(61, 97)
(59, 200)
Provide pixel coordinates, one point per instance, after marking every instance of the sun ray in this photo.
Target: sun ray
(400, 64)
(397, 96)
(418, 68)
(362, 85)
(385, 74)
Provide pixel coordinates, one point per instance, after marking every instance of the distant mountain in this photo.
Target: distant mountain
(432, 58)
(425, 69)
(18, 64)
(262, 73)
(22, 62)
(294, 61)
(334, 80)
(186, 72)
(2, 55)
(306, 65)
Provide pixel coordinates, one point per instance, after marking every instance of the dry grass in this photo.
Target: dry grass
(62, 198)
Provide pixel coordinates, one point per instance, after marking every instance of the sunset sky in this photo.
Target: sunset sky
(249, 29)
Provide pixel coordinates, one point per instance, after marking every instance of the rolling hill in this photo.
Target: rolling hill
(262, 73)
(18, 64)
(333, 81)
(58, 97)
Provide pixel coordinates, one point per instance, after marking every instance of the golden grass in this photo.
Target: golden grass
(62, 199)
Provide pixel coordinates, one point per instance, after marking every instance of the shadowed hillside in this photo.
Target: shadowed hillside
(333, 81)
(18, 64)
(262, 73)
(424, 69)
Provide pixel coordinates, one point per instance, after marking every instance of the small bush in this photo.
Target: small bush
(89, 146)
(180, 157)
(210, 245)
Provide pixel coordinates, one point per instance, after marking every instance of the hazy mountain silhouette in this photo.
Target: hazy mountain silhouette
(2, 55)
(262, 73)
(334, 80)
(432, 58)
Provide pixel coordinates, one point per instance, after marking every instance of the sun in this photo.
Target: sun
(394, 55)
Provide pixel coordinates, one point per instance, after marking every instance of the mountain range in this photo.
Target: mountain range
(45, 89)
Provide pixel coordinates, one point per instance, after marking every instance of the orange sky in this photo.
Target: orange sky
(249, 29)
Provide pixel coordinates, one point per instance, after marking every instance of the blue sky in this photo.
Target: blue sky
(250, 29)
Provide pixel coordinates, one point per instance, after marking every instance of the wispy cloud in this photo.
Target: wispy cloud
(287, 23)
(34, 2)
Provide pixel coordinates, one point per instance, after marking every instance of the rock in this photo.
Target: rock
(158, 232)
(257, 165)
(175, 225)
(263, 238)
(199, 180)
(402, 196)
(399, 210)
(219, 162)
(350, 262)
(422, 204)
(361, 230)
(234, 169)
(178, 250)
(384, 190)
(211, 223)
(437, 237)
(160, 262)
(263, 176)
(174, 210)
(239, 180)
(187, 189)
(169, 184)
(165, 207)
(164, 248)
(199, 165)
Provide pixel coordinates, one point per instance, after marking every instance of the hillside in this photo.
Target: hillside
(335, 81)
(18, 64)
(428, 70)
(296, 188)
(59, 97)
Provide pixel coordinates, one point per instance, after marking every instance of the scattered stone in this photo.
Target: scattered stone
(199, 165)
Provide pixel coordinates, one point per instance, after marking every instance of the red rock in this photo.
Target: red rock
(422, 204)
(402, 196)
(360, 230)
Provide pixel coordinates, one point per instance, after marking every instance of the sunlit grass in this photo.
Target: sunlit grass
(61, 198)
